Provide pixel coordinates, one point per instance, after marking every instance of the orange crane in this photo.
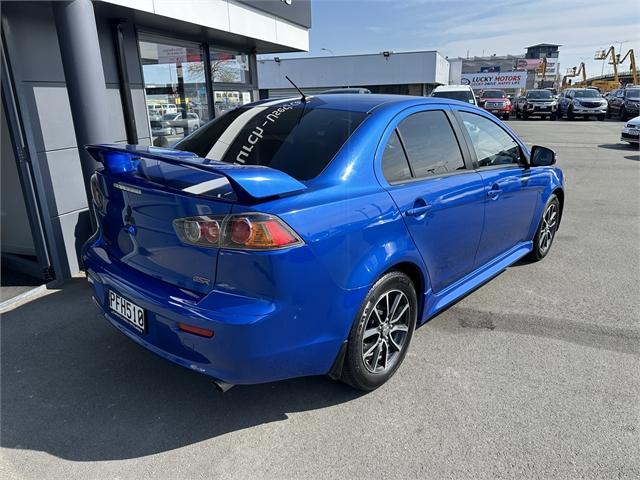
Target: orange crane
(632, 61)
(605, 85)
(574, 72)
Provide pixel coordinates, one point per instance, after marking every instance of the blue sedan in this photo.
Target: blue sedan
(311, 236)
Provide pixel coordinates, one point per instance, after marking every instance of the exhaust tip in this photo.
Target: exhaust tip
(223, 386)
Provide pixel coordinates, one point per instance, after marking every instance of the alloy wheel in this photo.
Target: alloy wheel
(386, 331)
(548, 227)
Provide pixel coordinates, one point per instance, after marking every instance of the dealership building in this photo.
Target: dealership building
(406, 73)
(529, 62)
(82, 72)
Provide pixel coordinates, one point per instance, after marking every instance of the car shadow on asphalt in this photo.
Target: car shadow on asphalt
(74, 387)
(601, 337)
(618, 146)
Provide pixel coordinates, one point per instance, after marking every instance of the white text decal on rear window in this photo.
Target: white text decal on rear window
(257, 133)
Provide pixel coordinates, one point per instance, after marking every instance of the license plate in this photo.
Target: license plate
(128, 311)
(495, 111)
(634, 132)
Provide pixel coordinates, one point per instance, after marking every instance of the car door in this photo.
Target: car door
(563, 105)
(618, 102)
(511, 189)
(440, 197)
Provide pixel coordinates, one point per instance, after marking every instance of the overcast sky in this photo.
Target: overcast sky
(454, 27)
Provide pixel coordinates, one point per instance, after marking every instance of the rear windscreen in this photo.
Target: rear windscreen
(292, 137)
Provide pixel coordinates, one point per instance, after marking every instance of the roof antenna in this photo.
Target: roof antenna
(304, 97)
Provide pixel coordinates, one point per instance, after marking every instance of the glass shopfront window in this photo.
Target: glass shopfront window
(175, 88)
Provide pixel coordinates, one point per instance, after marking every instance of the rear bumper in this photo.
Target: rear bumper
(255, 340)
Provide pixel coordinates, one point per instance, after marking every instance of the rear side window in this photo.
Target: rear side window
(394, 162)
(292, 137)
(430, 143)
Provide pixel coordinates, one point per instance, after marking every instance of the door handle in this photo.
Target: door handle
(494, 192)
(418, 211)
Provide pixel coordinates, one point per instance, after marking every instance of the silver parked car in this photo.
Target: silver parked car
(177, 123)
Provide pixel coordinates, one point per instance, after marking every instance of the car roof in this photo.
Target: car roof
(355, 102)
(452, 88)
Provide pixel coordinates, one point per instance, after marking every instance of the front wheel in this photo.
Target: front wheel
(546, 229)
(623, 114)
(382, 331)
(601, 117)
(553, 117)
(570, 114)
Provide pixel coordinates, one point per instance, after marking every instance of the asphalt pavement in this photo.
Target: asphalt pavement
(534, 375)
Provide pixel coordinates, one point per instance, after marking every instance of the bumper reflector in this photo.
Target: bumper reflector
(201, 332)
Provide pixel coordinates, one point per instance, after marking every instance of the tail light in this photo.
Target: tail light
(249, 231)
(99, 199)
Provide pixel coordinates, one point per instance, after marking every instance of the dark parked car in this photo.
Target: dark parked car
(623, 103)
(537, 103)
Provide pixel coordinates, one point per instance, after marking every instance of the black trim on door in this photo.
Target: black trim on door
(125, 87)
(28, 172)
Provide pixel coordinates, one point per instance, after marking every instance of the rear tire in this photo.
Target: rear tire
(547, 229)
(381, 334)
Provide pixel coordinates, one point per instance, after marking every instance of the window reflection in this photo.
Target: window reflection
(175, 88)
(229, 68)
(225, 100)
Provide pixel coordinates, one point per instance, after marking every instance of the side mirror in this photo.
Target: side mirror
(542, 156)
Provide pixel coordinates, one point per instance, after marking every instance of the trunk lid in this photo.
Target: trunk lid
(148, 188)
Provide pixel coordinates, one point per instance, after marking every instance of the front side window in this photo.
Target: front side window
(430, 144)
(295, 138)
(394, 162)
(493, 145)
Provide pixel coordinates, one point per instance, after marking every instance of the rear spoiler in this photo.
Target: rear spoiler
(253, 181)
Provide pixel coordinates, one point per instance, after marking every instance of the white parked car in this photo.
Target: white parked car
(463, 93)
(631, 131)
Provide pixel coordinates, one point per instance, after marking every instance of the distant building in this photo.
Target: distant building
(531, 62)
(406, 73)
(552, 72)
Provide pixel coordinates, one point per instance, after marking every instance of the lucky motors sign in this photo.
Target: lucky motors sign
(495, 80)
